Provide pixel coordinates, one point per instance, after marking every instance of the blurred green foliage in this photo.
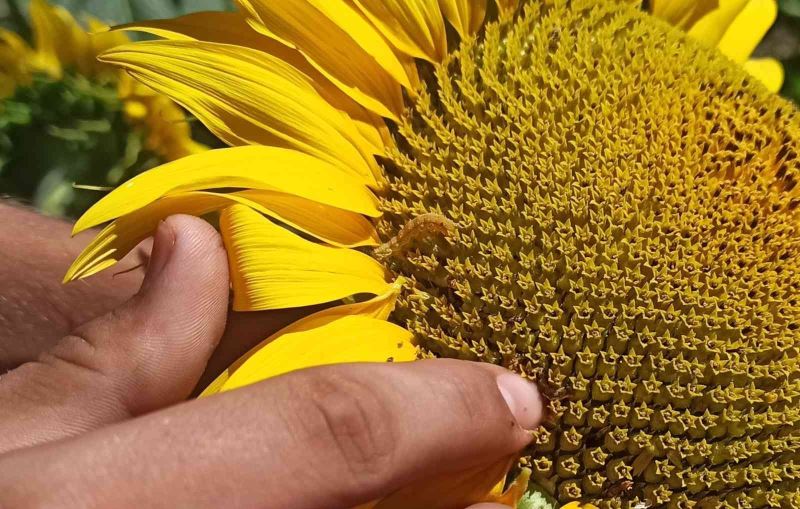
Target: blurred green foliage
(113, 11)
(55, 134)
(784, 43)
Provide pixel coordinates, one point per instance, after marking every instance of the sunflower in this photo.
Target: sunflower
(735, 27)
(62, 47)
(577, 190)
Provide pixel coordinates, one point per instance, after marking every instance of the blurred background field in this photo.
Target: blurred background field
(13, 13)
(783, 43)
(56, 133)
(76, 129)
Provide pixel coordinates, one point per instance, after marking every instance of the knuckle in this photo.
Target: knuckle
(354, 424)
(75, 353)
(62, 372)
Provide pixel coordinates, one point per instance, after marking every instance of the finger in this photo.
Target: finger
(144, 355)
(332, 437)
(40, 310)
(488, 506)
(244, 331)
(37, 310)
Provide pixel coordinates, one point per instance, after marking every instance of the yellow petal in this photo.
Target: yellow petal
(710, 29)
(507, 7)
(15, 62)
(13, 48)
(415, 27)
(58, 39)
(222, 28)
(768, 70)
(377, 308)
(209, 26)
(255, 167)
(8, 85)
(748, 29)
(102, 39)
(511, 496)
(272, 268)
(465, 15)
(120, 237)
(248, 97)
(323, 342)
(232, 28)
(340, 43)
(452, 490)
(682, 13)
(328, 224)
(340, 228)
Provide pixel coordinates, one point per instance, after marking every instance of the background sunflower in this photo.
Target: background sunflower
(66, 120)
(783, 42)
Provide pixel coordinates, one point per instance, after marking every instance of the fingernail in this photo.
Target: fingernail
(163, 246)
(522, 398)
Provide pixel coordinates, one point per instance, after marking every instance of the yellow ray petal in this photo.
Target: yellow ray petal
(511, 496)
(710, 29)
(232, 28)
(8, 84)
(452, 490)
(328, 224)
(58, 39)
(102, 39)
(458, 490)
(272, 268)
(682, 13)
(507, 7)
(15, 62)
(209, 26)
(340, 43)
(377, 308)
(340, 228)
(256, 167)
(118, 238)
(465, 15)
(323, 342)
(748, 29)
(247, 97)
(768, 70)
(12, 41)
(415, 27)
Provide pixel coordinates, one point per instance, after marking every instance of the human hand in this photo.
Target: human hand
(36, 310)
(98, 421)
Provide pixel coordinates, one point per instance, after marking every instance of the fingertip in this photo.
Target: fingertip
(199, 243)
(187, 254)
(181, 309)
(523, 399)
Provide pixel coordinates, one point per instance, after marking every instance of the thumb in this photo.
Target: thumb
(147, 354)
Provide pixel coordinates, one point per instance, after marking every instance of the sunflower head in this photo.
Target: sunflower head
(576, 190)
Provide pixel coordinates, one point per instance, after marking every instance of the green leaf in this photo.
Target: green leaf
(790, 7)
(205, 5)
(153, 9)
(536, 500)
(124, 11)
(112, 12)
